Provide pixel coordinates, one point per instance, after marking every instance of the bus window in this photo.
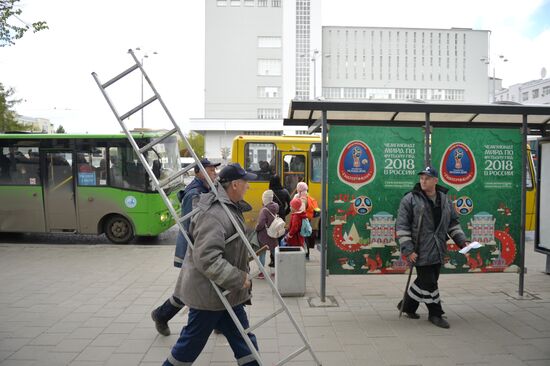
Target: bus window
(260, 159)
(294, 171)
(316, 166)
(19, 165)
(92, 167)
(125, 170)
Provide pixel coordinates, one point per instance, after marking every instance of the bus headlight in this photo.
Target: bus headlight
(164, 216)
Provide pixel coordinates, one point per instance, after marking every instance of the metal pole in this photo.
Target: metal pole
(314, 76)
(427, 157)
(142, 109)
(523, 192)
(494, 85)
(324, 171)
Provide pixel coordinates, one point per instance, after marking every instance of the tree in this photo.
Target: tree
(12, 26)
(197, 144)
(8, 120)
(60, 129)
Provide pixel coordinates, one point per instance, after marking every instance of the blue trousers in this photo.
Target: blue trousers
(200, 325)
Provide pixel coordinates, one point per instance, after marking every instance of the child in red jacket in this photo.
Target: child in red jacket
(297, 214)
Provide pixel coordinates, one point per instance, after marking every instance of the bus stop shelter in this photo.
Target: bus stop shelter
(371, 153)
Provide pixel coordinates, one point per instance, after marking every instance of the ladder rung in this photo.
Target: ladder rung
(119, 76)
(189, 215)
(159, 140)
(139, 107)
(231, 238)
(189, 167)
(264, 320)
(171, 178)
(291, 356)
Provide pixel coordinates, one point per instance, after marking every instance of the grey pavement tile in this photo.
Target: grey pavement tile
(28, 331)
(20, 363)
(156, 354)
(86, 363)
(31, 352)
(124, 328)
(58, 358)
(72, 345)
(124, 359)
(63, 327)
(539, 362)
(49, 339)
(13, 344)
(5, 354)
(108, 340)
(86, 333)
(528, 352)
(97, 322)
(95, 354)
(139, 346)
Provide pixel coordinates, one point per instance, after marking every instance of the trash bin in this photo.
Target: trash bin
(290, 271)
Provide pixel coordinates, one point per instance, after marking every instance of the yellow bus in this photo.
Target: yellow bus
(293, 158)
(530, 187)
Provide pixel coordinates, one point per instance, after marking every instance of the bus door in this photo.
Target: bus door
(59, 197)
(293, 169)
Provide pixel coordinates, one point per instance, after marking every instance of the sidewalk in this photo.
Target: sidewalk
(90, 305)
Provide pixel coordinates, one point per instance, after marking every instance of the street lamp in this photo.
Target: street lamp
(314, 60)
(144, 55)
(487, 61)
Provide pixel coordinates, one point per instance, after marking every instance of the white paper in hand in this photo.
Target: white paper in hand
(472, 245)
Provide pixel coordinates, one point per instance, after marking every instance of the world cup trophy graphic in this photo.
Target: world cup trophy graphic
(458, 158)
(356, 156)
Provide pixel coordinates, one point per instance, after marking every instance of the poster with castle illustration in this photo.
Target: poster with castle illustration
(482, 170)
(370, 169)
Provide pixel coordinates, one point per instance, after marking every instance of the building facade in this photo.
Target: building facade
(386, 64)
(34, 124)
(531, 92)
(260, 54)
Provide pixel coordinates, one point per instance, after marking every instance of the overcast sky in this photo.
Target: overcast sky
(50, 70)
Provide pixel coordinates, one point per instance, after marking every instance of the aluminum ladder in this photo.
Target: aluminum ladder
(158, 185)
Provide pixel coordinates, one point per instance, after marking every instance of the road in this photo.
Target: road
(166, 238)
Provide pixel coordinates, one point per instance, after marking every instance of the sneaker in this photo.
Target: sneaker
(439, 322)
(410, 315)
(162, 327)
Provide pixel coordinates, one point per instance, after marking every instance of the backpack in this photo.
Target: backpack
(277, 227)
(306, 229)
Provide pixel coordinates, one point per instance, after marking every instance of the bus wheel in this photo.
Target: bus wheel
(118, 230)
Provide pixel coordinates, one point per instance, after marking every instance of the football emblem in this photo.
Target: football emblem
(464, 205)
(362, 205)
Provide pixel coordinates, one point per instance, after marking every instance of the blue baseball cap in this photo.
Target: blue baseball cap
(429, 171)
(233, 172)
(205, 163)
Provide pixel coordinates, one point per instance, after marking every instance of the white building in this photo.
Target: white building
(531, 92)
(36, 124)
(259, 56)
(365, 63)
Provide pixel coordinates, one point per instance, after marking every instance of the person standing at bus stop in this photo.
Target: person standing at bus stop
(225, 264)
(425, 217)
(188, 198)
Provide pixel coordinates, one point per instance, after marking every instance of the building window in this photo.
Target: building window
(269, 42)
(276, 3)
(248, 2)
(262, 3)
(269, 67)
(269, 92)
(269, 113)
(535, 93)
(221, 2)
(546, 91)
(524, 96)
(235, 2)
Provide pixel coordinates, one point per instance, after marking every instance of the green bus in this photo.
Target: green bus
(88, 184)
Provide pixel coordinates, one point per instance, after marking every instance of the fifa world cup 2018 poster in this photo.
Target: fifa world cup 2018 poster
(482, 170)
(370, 169)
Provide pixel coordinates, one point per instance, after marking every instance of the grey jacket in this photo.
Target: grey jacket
(211, 258)
(430, 241)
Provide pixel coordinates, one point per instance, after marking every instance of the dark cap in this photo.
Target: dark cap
(205, 163)
(428, 171)
(233, 172)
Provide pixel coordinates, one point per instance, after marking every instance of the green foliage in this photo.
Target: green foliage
(12, 27)
(197, 144)
(8, 120)
(60, 129)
